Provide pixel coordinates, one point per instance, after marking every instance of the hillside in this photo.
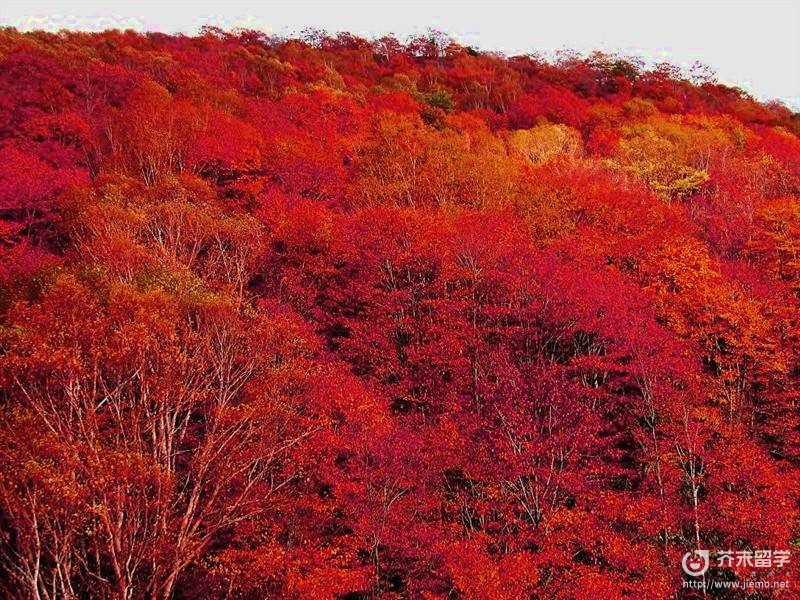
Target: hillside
(334, 318)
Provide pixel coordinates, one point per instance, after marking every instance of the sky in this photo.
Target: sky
(754, 45)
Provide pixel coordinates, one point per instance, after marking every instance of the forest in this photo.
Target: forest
(321, 317)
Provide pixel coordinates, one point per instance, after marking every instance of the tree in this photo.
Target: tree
(172, 418)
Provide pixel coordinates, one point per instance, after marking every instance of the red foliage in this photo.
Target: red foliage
(338, 318)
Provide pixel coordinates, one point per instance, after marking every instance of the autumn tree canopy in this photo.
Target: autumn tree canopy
(327, 317)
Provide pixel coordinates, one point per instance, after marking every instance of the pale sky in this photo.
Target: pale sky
(751, 44)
